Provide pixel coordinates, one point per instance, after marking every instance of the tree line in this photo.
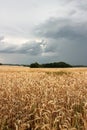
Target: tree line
(46, 65)
(50, 65)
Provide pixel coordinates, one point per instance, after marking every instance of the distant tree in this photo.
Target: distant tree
(0, 63)
(50, 65)
(34, 65)
(56, 65)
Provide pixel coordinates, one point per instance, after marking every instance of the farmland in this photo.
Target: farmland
(43, 99)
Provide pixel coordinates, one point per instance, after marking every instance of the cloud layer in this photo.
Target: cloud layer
(53, 31)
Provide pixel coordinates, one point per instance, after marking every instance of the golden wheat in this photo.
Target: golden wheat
(43, 99)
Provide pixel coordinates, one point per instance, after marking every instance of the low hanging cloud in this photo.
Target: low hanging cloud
(31, 48)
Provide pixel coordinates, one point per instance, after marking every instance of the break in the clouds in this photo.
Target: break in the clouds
(43, 31)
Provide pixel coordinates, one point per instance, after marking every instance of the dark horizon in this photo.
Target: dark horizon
(27, 65)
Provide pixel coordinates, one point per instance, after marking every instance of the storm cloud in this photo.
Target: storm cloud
(67, 37)
(43, 31)
(56, 28)
(31, 48)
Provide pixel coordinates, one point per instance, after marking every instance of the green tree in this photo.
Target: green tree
(34, 65)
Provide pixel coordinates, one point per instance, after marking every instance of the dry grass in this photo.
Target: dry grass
(43, 99)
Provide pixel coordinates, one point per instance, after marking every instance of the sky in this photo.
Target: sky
(43, 31)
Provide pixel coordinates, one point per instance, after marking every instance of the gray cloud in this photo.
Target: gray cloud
(1, 38)
(67, 37)
(56, 28)
(62, 25)
(31, 48)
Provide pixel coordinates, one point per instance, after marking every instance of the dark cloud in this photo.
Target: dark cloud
(7, 48)
(1, 38)
(64, 40)
(56, 28)
(31, 48)
(62, 25)
(67, 38)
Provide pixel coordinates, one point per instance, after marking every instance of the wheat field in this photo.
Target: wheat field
(43, 99)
